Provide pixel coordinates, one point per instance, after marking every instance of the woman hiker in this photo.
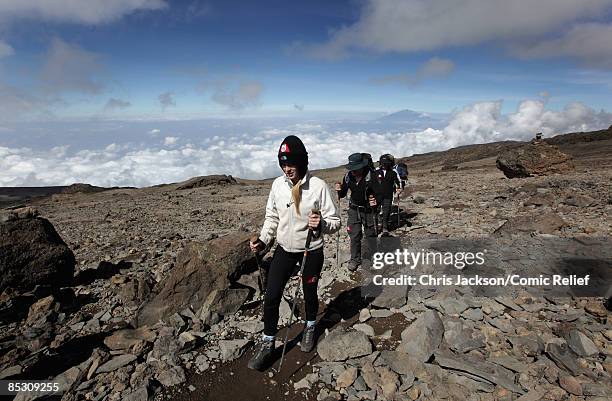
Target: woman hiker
(289, 217)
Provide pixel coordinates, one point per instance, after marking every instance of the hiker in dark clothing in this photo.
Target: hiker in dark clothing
(362, 206)
(388, 185)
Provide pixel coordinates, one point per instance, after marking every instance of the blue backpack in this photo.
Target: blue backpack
(402, 170)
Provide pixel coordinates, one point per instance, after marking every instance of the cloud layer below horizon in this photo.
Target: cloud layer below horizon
(253, 154)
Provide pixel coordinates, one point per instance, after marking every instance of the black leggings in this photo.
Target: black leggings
(284, 265)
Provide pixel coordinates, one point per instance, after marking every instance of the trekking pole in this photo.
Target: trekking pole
(398, 210)
(374, 211)
(338, 236)
(260, 281)
(308, 239)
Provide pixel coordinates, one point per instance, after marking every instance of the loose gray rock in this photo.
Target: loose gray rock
(563, 357)
(347, 377)
(380, 313)
(171, 376)
(461, 337)
(478, 368)
(400, 362)
(452, 306)
(364, 328)
(251, 326)
(596, 390)
(125, 339)
(364, 315)
(340, 345)
(116, 363)
(423, 336)
(202, 363)
(232, 349)
(474, 314)
(581, 344)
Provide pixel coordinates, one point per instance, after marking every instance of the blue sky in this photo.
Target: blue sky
(149, 47)
(74, 62)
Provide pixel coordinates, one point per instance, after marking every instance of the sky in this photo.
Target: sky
(141, 92)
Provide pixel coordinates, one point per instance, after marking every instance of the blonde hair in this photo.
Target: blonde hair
(296, 195)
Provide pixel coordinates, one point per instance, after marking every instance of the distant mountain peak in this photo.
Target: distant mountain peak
(404, 115)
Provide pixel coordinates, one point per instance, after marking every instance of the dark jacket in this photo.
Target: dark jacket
(360, 191)
(386, 183)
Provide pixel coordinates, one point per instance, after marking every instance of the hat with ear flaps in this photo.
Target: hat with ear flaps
(292, 151)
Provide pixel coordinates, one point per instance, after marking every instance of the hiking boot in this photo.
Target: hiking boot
(308, 339)
(353, 265)
(263, 356)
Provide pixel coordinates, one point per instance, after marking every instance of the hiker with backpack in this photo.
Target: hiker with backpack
(299, 207)
(362, 206)
(401, 169)
(388, 185)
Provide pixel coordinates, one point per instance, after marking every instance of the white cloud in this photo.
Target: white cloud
(88, 12)
(5, 49)
(433, 68)
(154, 131)
(589, 43)
(166, 100)
(254, 155)
(116, 104)
(69, 68)
(170, 140)
(425, 25)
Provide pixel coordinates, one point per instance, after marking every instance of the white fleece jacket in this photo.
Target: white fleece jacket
(290, 228)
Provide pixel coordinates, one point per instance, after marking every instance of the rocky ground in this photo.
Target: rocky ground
(145, 254)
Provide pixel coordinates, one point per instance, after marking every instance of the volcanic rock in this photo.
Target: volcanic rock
(581, 344)
(127, 338)
(204, 181)
(534, 159)
(545, 223)
(563, 357)
(31, 253)
(423, 336)
(226, 301)
(340, 345)
(570, 384)
(200, 269)
(83, 188)
(400, 362)
(232, 349)
(116, 363)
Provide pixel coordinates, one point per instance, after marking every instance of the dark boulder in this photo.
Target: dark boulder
(32, 253)
(536, 158)
(82, 188)
(200, 269)
(205, 181)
